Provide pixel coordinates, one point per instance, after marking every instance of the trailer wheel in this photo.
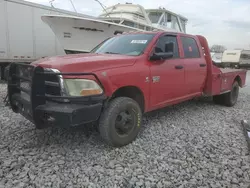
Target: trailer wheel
(2, 67)
(120, 122)
(6, 73)
(3, 70)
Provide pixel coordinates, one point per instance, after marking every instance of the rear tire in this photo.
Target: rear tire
(218, 99)
(232, 97)
(120, 122)
(228, 99)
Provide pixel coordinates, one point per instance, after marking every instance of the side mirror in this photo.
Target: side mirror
(161, 55)
(169, 52)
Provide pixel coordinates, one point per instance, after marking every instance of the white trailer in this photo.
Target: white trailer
(236, 58)
(24, 37)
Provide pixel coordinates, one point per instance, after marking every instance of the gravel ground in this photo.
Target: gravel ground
(193, 144)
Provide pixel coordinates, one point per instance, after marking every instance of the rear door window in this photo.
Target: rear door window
(190, 47)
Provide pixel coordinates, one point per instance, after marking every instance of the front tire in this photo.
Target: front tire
(120, 122)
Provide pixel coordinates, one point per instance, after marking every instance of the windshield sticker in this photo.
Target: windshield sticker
(139, 41)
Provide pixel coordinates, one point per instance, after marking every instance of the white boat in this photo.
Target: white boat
(81, 34)
(216, 57)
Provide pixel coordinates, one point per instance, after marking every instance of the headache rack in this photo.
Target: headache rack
(30, 86)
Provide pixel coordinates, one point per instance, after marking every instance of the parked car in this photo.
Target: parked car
(122, 78)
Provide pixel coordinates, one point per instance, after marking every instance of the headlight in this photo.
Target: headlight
(82, 87)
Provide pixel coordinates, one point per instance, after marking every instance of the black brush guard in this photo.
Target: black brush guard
(38, 95)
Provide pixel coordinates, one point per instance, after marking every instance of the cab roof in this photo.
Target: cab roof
(156, 32)
(148, 32)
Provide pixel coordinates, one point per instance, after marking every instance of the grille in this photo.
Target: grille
(25, 73)
(52, 82)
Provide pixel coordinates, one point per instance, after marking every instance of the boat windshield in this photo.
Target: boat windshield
(131, 44)
(154, 16)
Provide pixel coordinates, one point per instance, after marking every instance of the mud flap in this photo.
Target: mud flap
(246, 128)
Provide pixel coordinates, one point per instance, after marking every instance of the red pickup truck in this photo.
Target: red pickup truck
(119, 80)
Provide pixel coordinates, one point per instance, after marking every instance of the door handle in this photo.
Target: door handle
(203, 65)
(178, 67)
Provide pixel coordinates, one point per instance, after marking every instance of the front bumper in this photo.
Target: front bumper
(49, 110)
(57, 114)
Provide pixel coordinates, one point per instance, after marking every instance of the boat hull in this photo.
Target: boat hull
(82, 34)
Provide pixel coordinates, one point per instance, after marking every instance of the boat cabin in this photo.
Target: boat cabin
(144, 19)
(163, 18)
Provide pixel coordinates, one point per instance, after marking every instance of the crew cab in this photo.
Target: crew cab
(118, 81)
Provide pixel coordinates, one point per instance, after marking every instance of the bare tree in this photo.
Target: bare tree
(218, 48)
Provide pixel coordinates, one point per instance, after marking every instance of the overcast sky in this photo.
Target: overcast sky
(224, 22)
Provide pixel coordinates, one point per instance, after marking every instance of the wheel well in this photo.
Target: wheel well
(131, 92)
(238, 79)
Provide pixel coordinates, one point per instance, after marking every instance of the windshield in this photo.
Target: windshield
(132, 44)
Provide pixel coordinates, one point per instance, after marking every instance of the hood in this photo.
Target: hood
(85, 62)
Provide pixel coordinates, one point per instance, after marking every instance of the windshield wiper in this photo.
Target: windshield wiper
(111, 53)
